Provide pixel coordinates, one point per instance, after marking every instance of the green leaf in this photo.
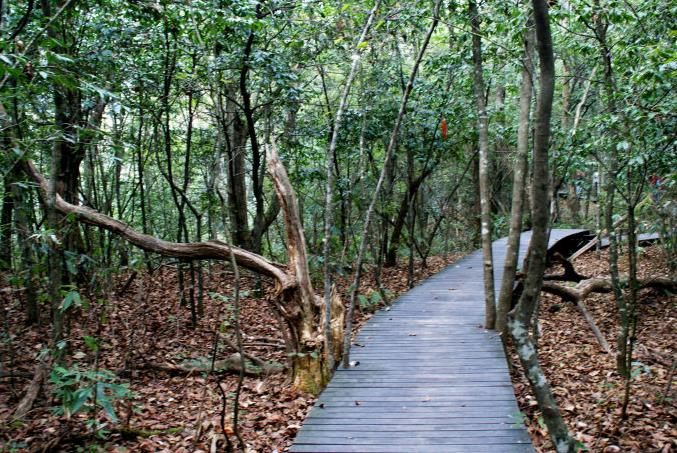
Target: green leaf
(72, 298)
(363, 300)
(103, 400)
(91, 343)
(80, 397)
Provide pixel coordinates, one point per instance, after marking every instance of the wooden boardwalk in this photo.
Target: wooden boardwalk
(429, 379)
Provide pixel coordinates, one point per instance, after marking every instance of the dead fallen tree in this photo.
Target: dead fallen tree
(578, 293)
(603, 285)
(295, 301)
(32, 390)
(229, 365)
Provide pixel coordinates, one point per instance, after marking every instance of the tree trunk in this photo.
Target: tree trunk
(512, 252)
(257, 156)
(23, 230)
(413, 185)
(386, 163)
(485, 184)
(67, 154)
(520, 318)
(6, 225)
(300, 308)
(329, 191)
(612, 171)
(235, 141)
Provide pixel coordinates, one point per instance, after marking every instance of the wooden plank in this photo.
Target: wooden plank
(442, 354)
(496, 388)
(515, 435)
(406, 411)
(395, 406)
(365, 376)
(422, 441)
(410, 384)
(406, 427)
(430, 377)
(376, 422)
(432, 448)
(408, 398)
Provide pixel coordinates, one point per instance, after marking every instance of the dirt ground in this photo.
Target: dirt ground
(168, 412)
(584, 379)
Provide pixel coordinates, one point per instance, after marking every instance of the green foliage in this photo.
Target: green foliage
(71, 299)
(86, 391)
(520, 419)
(371, 302)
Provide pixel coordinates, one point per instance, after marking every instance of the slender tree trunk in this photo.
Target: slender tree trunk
(6, 225)
(140, 170)
(411, 242)
(66, 157)
(629, 331)
(485, 184)
(117, 182)
(23, 229)
(258, 158)
(413, 185)
(55, 250)
(22, 222)
(512, 252)
(235, 142)
(520, 318)
(612, 171)
(386, 163)
(329, 190)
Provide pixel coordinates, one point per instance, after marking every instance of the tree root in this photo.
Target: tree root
(32, 391)
(229, 365)
(584, 288)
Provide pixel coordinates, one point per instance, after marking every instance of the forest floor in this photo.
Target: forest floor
(584, 379)
(168, 412)
(181, 412)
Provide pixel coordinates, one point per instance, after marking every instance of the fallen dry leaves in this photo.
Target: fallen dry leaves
(178, 413)
(584, 379)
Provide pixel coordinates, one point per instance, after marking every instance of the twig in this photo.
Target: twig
(34, 39)
(671, 374)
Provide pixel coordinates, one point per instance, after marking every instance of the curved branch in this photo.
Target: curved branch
(24, 20)
(213, 249)
(602, 285)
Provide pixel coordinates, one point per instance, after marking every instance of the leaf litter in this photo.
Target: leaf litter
(584, 380)
(147, 324)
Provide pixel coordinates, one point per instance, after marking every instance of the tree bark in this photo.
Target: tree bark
(612, 170)
(235, 141)
(329, 190)
(485, 184)
(23, 230)
(301, 310)
(6, 225)
(386, 163)
(413, 185)
(512, 252)
(520, 318)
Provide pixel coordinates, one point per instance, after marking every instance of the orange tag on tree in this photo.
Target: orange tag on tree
(444, 129)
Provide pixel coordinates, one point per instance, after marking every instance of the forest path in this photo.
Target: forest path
(430, 377)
